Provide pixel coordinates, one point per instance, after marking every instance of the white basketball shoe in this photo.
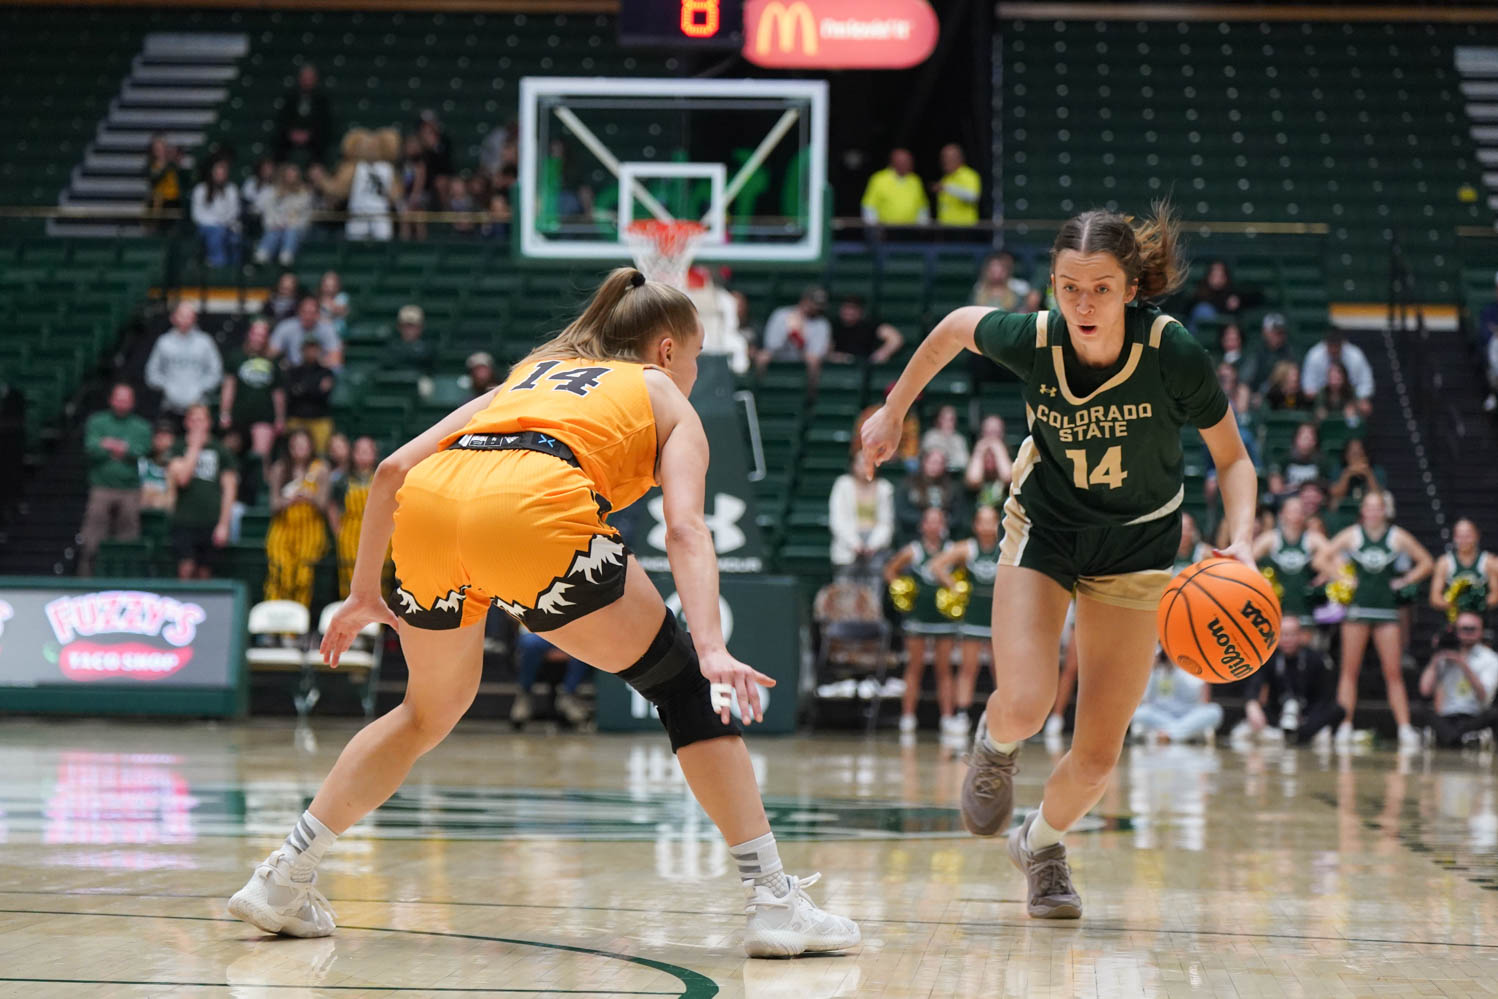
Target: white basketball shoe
(791, 924)
(275, 903)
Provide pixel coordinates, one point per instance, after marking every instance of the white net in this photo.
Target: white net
(663, 250)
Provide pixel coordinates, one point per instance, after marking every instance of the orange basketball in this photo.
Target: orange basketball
(1219, 620)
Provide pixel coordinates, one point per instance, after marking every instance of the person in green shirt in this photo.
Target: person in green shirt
(253, 396)
(1093, 513)
(113, 441)
(207, 479)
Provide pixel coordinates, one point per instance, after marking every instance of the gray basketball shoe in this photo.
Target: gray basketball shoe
(1051, 893)
(988, 788)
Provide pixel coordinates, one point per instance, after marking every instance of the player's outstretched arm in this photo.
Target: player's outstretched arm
(689, 544)
(1239, 484)
(365, 603)
(953, 335)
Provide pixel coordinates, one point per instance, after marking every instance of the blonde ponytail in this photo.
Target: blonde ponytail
(626, 315)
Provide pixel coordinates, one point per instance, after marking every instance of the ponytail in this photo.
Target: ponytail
(1148, 250)
(626, 315)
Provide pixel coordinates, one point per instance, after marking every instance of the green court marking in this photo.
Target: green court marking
(694, 985)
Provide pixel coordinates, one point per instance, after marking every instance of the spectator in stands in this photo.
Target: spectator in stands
(1230, 349)
(564, 194)
(856, 337)
(436, 151)
(1487, 320)
(298, 535)
(308, 324)
(333, 302)
(1335, 348)
(860, 514)
(282, 301)
(1191, 549)
(460, 199)
(498, 216)
(286, 211)
(163, 180)
(1304, 463)
(347, 495)
(895, 195)
(410, 351)
(499, 149)
(156, 492)
(998, 288)
(184, 364)
(1177, 706)
(944, 436)
(1461, 676)
(206, 480)
(304, 121)
(798, 332)
(989, 470)
(481, 373)
(530, 655)
(1272, 350)
(215, 211)
(1336, 400)
(1227, 377)
(252, 397)
(1285, 393)
(339, 458)
(719, 313)
(1297, 688)
(930, 486)
(114, 441)
(1490, 404)
(252, 190)
(418, 196)
(1216, 295)
(1356, 477)
(958, 190)
(309, 386)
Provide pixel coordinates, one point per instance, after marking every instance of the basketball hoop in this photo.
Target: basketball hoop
(663, 250)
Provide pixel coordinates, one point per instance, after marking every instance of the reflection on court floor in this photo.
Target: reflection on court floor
(531, 865)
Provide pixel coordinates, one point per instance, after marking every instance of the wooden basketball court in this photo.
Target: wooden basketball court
(576, 865)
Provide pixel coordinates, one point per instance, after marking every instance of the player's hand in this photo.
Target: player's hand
(350, 619)
(1243, 551)
(220, 535)
(880, 438)
(745, 681)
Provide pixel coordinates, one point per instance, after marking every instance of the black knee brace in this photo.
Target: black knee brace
(668, 676)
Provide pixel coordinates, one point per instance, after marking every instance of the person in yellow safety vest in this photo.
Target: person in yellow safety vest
(957, 191)
(895, 195)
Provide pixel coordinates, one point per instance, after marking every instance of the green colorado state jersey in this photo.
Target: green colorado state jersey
(1105, 443)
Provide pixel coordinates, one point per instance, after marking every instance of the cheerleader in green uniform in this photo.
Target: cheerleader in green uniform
(1373, 546)
(1290, 550)
(924, 622)
(1465, 560)
(980, 555)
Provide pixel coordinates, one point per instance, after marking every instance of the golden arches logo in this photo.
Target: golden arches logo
(785, 20)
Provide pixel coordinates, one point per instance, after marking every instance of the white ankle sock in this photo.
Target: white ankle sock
(1001, 747)
(1042, 834)
(759, 862)
(307, 842)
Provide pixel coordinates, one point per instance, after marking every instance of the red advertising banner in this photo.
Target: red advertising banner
(838, 34)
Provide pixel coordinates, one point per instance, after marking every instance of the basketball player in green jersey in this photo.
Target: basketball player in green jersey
(1373, 545)
(1094, 510)
(979, 554)
(1465, 559)
(1289, 550)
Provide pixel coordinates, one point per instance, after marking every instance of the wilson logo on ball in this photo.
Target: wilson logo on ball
(1231, 658)
(1260, 622)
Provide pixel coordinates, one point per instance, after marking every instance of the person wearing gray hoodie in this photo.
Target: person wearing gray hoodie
(184, 365)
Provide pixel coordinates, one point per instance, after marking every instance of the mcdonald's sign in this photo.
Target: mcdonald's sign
(838, 34)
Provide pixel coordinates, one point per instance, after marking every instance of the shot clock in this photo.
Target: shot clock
(682, 24)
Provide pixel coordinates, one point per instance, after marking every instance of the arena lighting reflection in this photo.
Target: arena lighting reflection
(112, 798)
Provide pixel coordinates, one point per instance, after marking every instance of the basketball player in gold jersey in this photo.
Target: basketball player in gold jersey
(505, 502)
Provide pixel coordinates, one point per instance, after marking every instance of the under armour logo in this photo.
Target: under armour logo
(1049, 390)
(723, 522)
